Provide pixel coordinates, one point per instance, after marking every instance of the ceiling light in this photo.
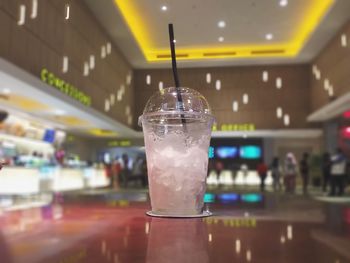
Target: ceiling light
(67, 11)
(59, 112)
(6, 91)
(174, 40)
(208, 78)
(22, 15)
(245, 98)
(148, 79)
(279, 112)
(235, 106)
(269, 36)
(265, 76)
(107, 105)
(65, 64)
(286, 120)
(344, 40)
(330, 91)
(218, 84)
(283, 3)
(279, 83)
(221, 24)
(221, 39)
(326, 84)
(164, 8)
(160, 85)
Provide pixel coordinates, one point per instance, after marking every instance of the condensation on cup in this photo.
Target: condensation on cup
(177, 136)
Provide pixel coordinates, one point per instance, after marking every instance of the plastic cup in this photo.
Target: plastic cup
(177, 139)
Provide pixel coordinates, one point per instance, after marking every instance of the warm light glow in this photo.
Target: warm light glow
(283, 3)
(210, 238)
(221, 24)
(245, 98)
(164, 8)
(326, 84)
(269, 36)
(286, 120)
(65, 64)
(146, 228)
(34, 12)
(92, 62)
(107, 105)
(282, 240)
(330, 91)
(344, 40)
(103, 52)
(249, 255)
(314, 12)
(221, 39)
(279, 112)
(22, 15)
(290, 232)
(6, 91)
(112, 99)
(238, 246)
(160, 85)
(109, 48)
(148, 79)
(218, 85)
(279, 83)
(67, 9)
(208, 78)
(86, 69)
(235, 106)
(265, 76)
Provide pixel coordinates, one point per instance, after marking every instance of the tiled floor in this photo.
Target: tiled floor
(108, 227)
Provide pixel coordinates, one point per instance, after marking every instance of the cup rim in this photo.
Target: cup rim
(187, 113)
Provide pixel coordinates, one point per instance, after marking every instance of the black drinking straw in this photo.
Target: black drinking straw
(176, 76)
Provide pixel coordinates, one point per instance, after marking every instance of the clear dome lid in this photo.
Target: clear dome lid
(168, 101)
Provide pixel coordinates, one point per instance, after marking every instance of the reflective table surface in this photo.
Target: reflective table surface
(114, 228)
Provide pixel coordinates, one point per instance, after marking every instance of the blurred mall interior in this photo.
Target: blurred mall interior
(75, 76)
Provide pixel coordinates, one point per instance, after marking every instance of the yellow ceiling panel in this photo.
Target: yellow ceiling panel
(23, 103)
(314, 12)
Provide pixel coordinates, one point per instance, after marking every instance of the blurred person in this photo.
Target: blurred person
(116, 169)
(290, 172)
(338, 173)
(125, 172)
(276, 174)
(326, 170)
(219, 167)
(304, 171)
(244, 169)
(139, 169)
(108, 170)
(262, 171)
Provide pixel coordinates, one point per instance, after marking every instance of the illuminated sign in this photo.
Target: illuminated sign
(66, 88)
(235, 223)
(235, 127)
(122, 143)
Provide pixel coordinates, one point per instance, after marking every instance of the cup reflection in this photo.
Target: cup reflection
(172, 240)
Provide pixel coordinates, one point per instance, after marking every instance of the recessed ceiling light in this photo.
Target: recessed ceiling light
(164, 8)
(59, 112)
(283, 3)
(221, 24)
(269, 36)
(6, 91)
(221, 39)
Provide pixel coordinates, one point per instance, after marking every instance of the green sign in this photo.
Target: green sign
(121, 143)
(66, 88)
(235, 127)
